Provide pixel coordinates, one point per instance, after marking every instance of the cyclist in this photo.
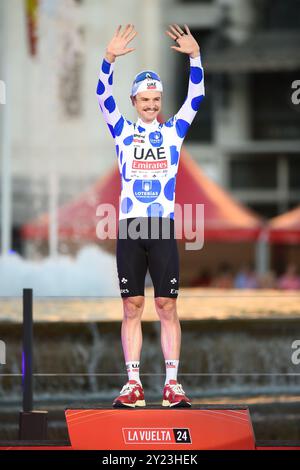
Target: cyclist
(148, 156)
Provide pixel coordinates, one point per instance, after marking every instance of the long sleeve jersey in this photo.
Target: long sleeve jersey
(148, 153)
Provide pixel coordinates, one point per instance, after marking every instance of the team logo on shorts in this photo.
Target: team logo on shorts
(124, 291)
(124, 280)
(156, 138)
(173, 281)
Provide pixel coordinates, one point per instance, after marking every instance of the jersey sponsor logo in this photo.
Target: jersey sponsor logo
(147, 162)
(150, 153)
(151, 85)
(149, 165)
(138, 138)
(146, 190)
(156, 138)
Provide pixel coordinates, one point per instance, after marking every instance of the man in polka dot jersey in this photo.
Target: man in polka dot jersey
(148, 156)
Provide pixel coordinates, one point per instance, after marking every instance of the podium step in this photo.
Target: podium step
(196, 428)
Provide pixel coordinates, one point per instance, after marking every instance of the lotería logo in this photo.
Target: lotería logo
(2, 353)
(147, 185)
(146, 191)
(156, 436)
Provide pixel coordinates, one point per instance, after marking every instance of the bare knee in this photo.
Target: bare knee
(166, 308)
(133, 307)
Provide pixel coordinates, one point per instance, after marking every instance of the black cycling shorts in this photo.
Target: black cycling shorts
(147, 243)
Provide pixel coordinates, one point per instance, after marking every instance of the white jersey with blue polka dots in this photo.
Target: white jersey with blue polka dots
(148, 154)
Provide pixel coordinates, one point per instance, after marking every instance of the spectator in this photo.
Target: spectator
(203, 279)
(246, 278)
(224, 278)
(290, 280)
(268, 280)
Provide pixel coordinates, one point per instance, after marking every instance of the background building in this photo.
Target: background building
(246, 135)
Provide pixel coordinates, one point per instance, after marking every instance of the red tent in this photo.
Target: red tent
(285, 228)
(224, 218)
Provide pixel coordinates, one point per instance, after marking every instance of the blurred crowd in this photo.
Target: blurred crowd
(247, 278)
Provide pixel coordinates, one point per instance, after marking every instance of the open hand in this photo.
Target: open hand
(118, 45)
(187, 44)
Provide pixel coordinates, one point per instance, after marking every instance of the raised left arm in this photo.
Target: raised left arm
(187, 44)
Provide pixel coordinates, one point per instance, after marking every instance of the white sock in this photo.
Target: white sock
(171, 369)
(133, 370)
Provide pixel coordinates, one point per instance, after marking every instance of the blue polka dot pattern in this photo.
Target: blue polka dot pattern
(106, 67)
(128, 140)
(148, 188)
(155, 210)
(170, 122)
(100, 88)
(126, 205)
(169, 189)
(110, 104)
(196, 102)
(111, 130)
(119, 126)
(174, 155)
(181, 127)
(124, 173)
(196, 74)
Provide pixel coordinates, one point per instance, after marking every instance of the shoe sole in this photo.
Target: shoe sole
(120, 404)
(180, 404)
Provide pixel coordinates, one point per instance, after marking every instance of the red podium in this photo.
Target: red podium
(196, 428)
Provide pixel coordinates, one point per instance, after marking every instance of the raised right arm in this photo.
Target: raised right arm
(105, 97)
(116, 47)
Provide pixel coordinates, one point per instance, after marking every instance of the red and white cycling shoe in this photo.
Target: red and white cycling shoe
(174, 396)
(131, 395)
